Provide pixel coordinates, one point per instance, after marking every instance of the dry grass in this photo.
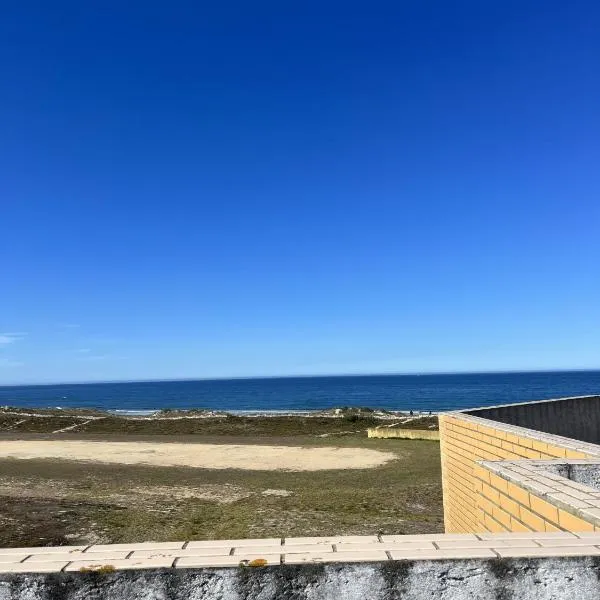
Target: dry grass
(54, 502)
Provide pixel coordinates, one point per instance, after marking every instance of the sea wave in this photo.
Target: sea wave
(134, 413)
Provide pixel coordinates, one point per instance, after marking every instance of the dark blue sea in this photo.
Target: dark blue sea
(392, 392)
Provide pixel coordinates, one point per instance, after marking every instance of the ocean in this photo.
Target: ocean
(392, 392)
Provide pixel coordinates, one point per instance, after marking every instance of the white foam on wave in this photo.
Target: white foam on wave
(269, 412)
(134, 412)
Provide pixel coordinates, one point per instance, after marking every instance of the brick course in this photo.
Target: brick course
(519, 495)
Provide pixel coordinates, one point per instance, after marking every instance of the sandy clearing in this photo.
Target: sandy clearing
(202, 456)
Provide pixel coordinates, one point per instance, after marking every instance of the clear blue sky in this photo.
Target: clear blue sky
(205, 189)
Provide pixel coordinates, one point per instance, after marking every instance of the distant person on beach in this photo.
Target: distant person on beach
(411, 413)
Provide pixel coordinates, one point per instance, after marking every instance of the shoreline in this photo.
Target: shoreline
(338, 421)
(170, 414)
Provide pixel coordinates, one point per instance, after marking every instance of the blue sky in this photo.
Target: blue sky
(208, 190)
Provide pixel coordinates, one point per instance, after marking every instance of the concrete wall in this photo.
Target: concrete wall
(405, 434)
(476, 500)
(577, 418)
(587, 474)
(508, 579)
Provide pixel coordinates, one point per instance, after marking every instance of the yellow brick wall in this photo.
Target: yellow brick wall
(504, 506)
(476, 500)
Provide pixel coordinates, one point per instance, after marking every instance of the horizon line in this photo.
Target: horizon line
(306, 376)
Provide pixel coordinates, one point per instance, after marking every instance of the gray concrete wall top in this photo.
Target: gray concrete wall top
(497, 579)
(505, 566)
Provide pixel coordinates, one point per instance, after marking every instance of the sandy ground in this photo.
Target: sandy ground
(203, 456)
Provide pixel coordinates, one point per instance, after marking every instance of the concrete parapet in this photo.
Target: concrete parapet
(405, 434)
(437, 566)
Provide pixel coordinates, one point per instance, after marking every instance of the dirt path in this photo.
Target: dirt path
(77, 425)
(203, 456)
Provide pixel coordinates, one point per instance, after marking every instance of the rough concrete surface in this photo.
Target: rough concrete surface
(586, 474)
(543, 579)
